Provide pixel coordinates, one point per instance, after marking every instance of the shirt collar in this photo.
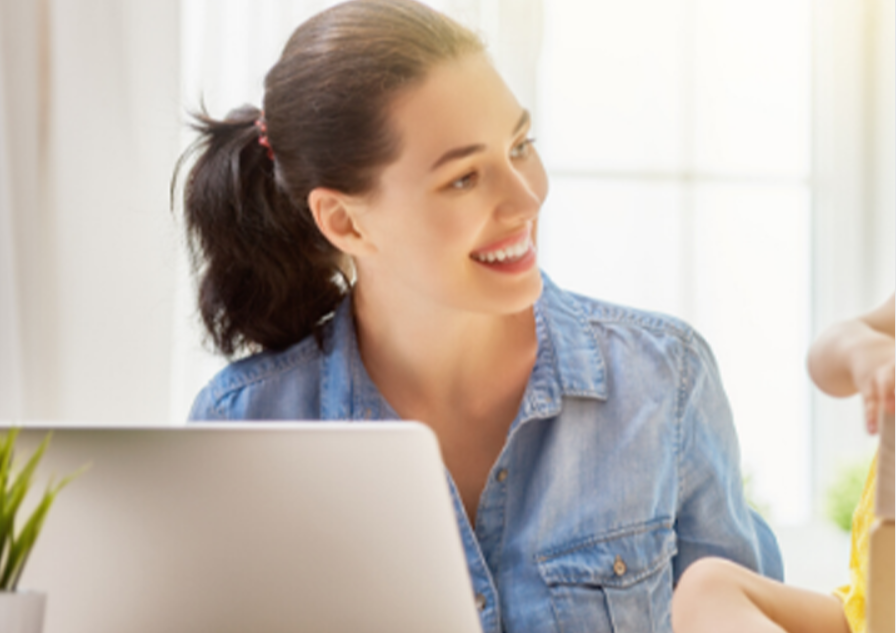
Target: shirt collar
(578, 361)
(569, 363)
(346, 390)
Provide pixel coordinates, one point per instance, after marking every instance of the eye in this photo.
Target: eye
(467, 181)
(522, 149)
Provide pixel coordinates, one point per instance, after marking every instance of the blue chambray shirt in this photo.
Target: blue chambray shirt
(620, 469)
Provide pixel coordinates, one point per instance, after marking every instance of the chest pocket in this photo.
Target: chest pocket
(620, 582)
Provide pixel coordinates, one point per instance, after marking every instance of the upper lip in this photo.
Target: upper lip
(503, 243)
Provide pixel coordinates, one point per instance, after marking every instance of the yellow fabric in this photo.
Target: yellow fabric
(853, 594)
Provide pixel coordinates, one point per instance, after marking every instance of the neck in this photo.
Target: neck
(426, 358)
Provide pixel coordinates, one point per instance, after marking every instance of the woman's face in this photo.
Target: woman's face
(452, 221)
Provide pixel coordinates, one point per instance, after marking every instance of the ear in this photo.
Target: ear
(335, 215)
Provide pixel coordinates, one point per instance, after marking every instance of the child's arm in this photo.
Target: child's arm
(857, 356)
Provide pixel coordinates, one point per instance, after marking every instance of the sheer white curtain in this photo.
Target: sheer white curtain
(90, 120)
(10, 332)
(24, 286)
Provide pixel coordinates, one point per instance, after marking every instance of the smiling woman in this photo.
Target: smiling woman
(369, 239)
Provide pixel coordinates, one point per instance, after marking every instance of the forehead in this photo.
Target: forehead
(460, 102)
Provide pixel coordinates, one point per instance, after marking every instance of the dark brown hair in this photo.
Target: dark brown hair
(267, 277)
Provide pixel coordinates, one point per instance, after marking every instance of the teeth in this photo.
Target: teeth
(510, 253)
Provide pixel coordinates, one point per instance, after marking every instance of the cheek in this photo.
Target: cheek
(445, 221)
(426, 229)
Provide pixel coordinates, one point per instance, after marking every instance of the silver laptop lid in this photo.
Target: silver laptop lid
(251, 527)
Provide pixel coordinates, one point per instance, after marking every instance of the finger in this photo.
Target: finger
(871, 417)
(869, 396)
(883, 387)
(888, 383)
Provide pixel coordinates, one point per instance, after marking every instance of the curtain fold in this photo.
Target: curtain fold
(10, 334)
(24, 251)
(90, 137)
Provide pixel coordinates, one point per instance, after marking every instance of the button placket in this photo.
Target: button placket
(490, 518)
(490, 614)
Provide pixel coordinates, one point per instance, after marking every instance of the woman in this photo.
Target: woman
(372, 233)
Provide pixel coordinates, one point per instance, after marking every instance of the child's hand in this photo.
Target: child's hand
(874, 375)
(856, 355)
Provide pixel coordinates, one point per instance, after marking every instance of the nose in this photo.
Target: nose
(523, 190)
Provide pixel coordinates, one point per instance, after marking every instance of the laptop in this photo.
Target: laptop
(236, 528)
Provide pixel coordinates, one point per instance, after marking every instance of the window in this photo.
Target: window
(677, 139)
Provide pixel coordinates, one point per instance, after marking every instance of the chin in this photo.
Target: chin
(516, 297)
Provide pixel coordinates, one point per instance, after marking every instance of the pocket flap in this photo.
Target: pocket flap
(615, 559)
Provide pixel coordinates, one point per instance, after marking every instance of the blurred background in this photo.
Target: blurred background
(731, 163)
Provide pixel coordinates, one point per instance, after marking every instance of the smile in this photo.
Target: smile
(507, 254)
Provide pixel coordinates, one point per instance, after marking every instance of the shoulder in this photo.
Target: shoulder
(605, 315)
(267, 385)
(645, 345)
(623, 352)
(618, 325)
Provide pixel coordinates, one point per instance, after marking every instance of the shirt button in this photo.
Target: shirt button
(501, 475)
(619, 566)
(480, 602)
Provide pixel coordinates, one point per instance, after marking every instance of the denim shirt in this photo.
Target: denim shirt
(620, 469)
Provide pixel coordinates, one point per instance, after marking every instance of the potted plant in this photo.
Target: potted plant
(21, 611)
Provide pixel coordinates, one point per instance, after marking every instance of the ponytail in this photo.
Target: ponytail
(267, 276)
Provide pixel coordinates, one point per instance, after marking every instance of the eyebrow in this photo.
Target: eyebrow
(461, 152)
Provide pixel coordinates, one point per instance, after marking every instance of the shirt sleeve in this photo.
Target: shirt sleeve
(713, 517)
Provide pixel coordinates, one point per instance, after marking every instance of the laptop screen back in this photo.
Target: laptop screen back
(250, 527)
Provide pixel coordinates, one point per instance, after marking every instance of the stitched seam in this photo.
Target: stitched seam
(556, 613)
(641, 528)
(578, 306)
(682, 333)
(679, 426)
(603, 312)
(563, 579)
(554, 579)
(269, 368)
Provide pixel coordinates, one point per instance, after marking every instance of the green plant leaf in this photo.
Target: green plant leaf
(28, 536)
(23, 481)
(15, 549)
(16, 493)
(6, 521)
(6, 445)
(22, 544)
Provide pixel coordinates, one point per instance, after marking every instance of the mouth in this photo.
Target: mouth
(509, 252)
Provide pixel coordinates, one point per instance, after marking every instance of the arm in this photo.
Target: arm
(713, 517)
(856, 356)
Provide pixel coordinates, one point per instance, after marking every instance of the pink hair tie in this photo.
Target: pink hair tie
(263, 140)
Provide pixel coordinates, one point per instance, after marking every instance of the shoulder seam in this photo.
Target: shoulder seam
(602, 313)
(279, 363)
